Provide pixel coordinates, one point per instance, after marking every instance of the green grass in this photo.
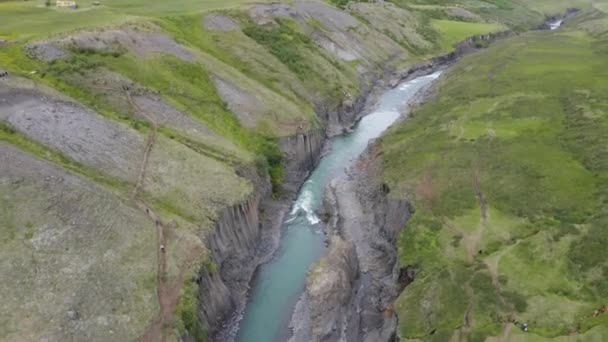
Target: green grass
(454, 32)
(27, 19)
(317, 69)
(517, 15)
(285, 43)
(525, 123)
(556, 7)
(187, 313)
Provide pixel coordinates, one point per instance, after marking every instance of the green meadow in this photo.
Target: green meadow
(508, 170)
(32, 19)
(453, 32)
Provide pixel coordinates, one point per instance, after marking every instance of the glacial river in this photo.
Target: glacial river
(280, 282)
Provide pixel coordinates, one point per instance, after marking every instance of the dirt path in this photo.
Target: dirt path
(149, 144)
(164, 291)
(167, 293)
(492, 265)
(155, 331)
(467, 318)
(471, 241)
(483, 203)
(506, 331)
(144, 164)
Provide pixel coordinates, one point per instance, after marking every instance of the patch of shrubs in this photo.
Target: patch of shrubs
(284, 42)
(271, 161)
(78, 64)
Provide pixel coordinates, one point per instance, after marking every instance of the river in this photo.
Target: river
(280, 282)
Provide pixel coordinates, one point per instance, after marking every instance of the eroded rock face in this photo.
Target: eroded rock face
(329, 289)
(459, 12)
(46, 51)
(244, 104)
(73, 130)
(265, 13)
(330, 17)
(143, 43)
(233, 244)
(397, 22)
(301, 154)
(336, 308)
(218, 22)
(336, 31)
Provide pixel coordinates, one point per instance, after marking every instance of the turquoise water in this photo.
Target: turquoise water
(279, 283)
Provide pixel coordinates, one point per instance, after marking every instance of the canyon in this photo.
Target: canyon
(157, 162)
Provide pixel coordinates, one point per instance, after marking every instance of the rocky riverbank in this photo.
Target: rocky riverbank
(349, 293)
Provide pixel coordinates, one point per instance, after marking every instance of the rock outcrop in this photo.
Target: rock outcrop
(234, 245)
(323, 312)
(301, 154)
(364, 217)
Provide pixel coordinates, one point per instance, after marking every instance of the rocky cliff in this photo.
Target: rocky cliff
(234, 245)
(301, 152)
(356, 306)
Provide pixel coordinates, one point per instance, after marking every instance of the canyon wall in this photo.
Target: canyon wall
(340, 304)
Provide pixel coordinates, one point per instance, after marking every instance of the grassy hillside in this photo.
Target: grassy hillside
(508, 170)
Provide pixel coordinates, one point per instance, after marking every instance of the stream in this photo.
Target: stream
(555, 24)
(278, 283)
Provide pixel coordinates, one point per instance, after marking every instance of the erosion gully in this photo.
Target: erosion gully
(280, 282)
